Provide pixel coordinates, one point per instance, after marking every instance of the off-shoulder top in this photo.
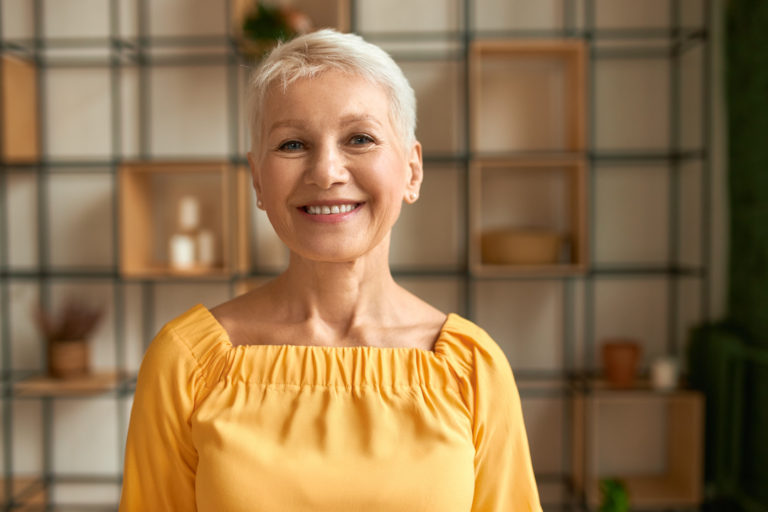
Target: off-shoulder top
(275, 428)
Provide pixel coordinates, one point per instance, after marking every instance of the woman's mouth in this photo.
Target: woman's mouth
(330, 209)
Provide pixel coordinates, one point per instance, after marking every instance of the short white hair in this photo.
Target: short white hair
(324, 50)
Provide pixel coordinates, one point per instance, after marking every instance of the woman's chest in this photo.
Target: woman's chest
(328, 449)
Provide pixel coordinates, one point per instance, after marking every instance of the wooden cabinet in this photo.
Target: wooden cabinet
(18, 106)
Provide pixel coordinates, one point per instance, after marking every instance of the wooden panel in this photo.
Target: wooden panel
(19, 110)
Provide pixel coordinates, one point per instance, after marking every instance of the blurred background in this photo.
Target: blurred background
(576, 205)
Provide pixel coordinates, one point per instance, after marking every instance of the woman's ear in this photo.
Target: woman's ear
(256, 180)
(415, 174)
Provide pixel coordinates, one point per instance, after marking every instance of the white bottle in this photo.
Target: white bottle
(206, 248)
(182, 248)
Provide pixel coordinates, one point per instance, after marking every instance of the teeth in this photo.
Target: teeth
(329, 210)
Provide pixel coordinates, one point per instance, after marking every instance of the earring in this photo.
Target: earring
(259, 204)
(412, 196)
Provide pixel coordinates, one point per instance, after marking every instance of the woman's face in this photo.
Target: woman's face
(331, 171)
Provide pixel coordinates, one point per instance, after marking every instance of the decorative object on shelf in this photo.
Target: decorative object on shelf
(521, 246)
(620, 360)
(265, 25)
(615, 497)
(664, 374)
(192, 247)
(67, 337)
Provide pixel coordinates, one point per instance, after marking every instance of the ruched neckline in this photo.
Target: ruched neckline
(314, 365)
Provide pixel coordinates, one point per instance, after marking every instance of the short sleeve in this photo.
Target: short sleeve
(504, 479)
(160, 458)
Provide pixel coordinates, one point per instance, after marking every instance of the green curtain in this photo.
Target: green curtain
(746, 61)
(747, 94)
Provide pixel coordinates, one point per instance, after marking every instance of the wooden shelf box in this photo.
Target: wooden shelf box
(29, 493)
(150, 194)
(546, 194)
(678, 484)
(18, 109)
(527, 96)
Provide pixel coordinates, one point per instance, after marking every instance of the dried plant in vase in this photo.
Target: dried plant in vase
(67, 337)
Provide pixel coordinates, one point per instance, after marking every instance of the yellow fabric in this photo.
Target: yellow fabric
(276, 428)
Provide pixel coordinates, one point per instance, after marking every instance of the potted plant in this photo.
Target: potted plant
(620, 361)
(265, 25)
(615, 496)
(67, 335)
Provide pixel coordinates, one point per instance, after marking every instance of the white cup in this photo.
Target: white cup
(664, 374)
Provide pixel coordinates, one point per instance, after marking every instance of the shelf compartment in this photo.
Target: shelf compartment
(18, 110)
(547, 193)
(88, 385)
(679, 483)
(150, 193)
(527, 95)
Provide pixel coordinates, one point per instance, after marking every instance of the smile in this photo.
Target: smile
(331, 210)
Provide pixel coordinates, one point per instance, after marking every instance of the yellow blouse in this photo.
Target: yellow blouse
(280, 428)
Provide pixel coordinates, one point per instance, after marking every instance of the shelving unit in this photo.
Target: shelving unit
(618, 116)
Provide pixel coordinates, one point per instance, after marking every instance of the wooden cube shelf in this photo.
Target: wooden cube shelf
(18, 110)
(323, 13)
(515, 196)
(29, 493)
(527, 96)
(150, 195)
(679, 484)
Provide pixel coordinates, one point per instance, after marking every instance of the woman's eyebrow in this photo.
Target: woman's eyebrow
(354, 118)
(285, 123)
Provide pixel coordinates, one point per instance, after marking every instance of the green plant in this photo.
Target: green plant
(615, 496)
(270, 23)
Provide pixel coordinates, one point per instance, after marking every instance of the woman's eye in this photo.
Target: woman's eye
(291, 145)
(361, 139)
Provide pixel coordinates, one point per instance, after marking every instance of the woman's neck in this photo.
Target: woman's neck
(340, 295)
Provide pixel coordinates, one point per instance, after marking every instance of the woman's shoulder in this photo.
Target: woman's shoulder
(188, 339)
(470, 346)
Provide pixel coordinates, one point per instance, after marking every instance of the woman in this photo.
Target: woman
(331, 388)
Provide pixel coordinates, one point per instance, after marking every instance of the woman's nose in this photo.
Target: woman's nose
(327, 167)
